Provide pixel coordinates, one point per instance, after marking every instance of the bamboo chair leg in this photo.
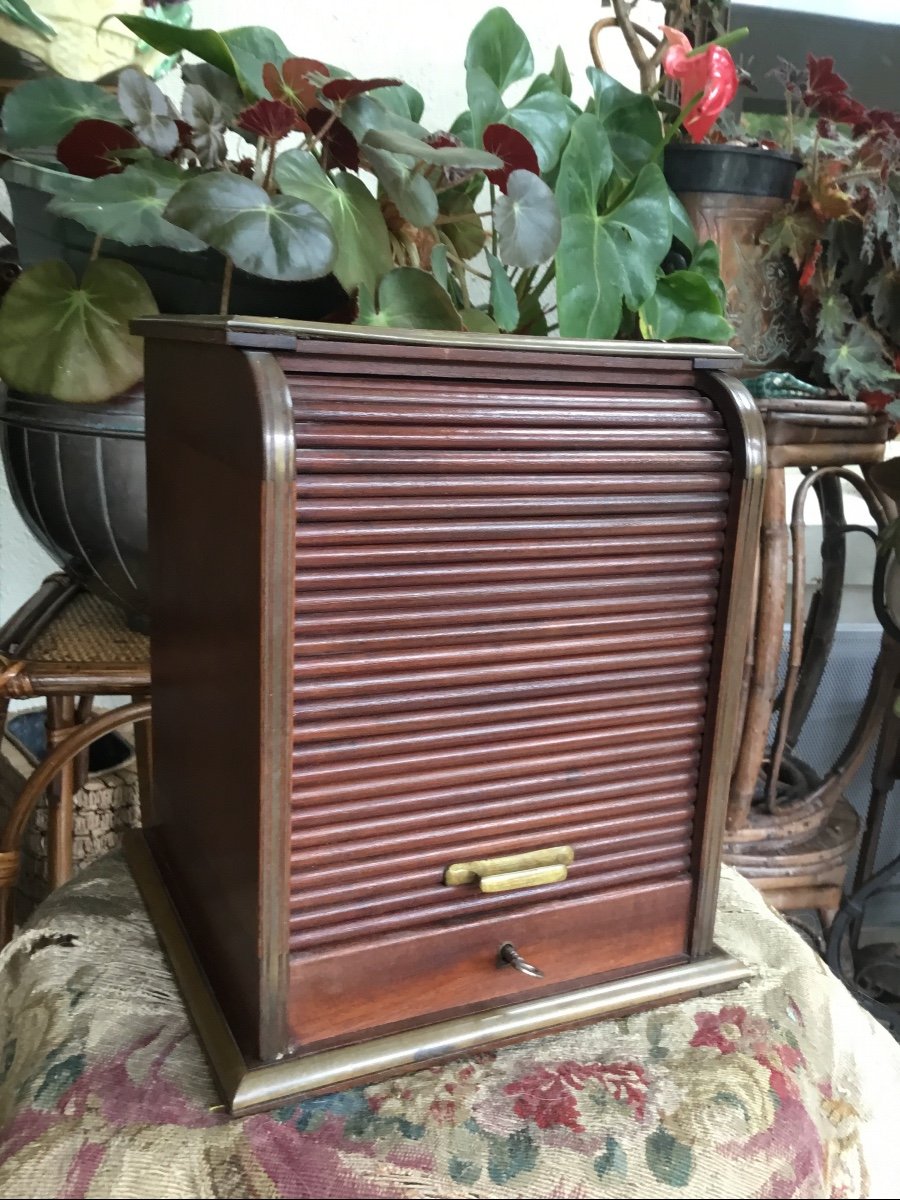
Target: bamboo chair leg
(11, 837)
(60, 794)
(767, 649)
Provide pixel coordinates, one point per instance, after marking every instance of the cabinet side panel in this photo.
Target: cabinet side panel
(210, 488)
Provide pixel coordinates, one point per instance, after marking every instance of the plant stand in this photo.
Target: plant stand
(790, 831)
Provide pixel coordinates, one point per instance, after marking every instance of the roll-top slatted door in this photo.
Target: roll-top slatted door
(479, 624)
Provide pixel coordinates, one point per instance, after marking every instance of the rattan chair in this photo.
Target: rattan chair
(68, 646)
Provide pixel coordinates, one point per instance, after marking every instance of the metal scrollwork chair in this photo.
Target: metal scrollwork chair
(871, 968)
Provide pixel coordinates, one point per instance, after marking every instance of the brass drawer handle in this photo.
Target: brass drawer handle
(531, 869)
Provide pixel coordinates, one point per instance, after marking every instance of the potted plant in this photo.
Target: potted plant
(841, 233)
(252, 197)
(730, 182)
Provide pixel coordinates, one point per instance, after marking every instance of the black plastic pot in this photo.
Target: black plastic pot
(180, 282)
(739, 170)
(77, 472)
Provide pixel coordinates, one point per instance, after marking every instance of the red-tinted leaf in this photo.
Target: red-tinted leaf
(271, 119)
(292, 83)
(878, 121)
(339, 146)
(90, 147)
(440, 139)
(345, 89)
(185, 134)
(877, 400)
(515, 150)
(827, 95)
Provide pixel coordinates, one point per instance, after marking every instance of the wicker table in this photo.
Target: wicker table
(67, 646)
(790, 831)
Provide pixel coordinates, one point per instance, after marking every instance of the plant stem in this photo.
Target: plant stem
(724, 39)
(226, 287)
(270, 167)
(493, 195)
(95, 247)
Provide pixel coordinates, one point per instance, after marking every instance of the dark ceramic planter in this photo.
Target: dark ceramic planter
(732, 193)
(77, 472)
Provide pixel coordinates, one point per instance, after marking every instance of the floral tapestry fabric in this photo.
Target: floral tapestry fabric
(782, 1087)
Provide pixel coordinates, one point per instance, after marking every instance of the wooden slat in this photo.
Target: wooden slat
(438, 618)
(344, 406)
(313, 435)
(482, 724)
(310, 514)
(678, 666)
(467, 461)
(415, 487)
(509, 631)
(648, 863)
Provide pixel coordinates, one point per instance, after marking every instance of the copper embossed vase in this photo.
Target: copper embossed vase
(731, 194)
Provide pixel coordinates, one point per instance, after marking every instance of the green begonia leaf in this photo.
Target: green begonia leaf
(71, 341)
(409, 189)
(527, 221)
(129, 207)
(409, 299)
(41, 112)
(277, 237)
(360, 234)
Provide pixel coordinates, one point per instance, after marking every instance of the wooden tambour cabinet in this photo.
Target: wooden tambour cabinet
(447, 636)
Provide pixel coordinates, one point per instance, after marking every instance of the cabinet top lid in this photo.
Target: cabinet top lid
(278, 334)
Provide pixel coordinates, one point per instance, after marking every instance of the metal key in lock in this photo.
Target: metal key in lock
(508, 956)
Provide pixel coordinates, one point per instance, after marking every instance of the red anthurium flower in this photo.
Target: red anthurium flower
(271, 119)
(711, 75)
(515, 150)
(89, 148)
(292, 83)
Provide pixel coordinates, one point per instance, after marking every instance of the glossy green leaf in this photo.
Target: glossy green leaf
(408, 298)
(486, 105)
(586, 167)
(41, 112)
(705, 261)
(439, 267)
(150, 113)
(630, 120)
(545, 116)
(466, 232)
(610, 257)
(476, 320)
(365, 112)
(404, 101)
(20, 12)
(504, 304)
(559, 72)
(464, 157)
(498, 46)
(241, 52)
(85, 352)
(409, 189)
(277, 237)
(682, 228)
(684, 306)
(527, 221)
(129, 207)
(360, 234)
(464, 129)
